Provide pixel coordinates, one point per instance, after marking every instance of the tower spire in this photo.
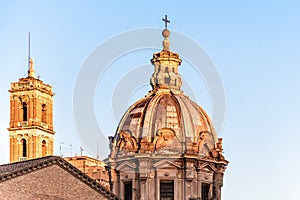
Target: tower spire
(31, 71)
(28, 50)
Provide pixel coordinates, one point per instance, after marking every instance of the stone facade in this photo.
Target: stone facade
(31, 118)
(96, 169)
(165, 146)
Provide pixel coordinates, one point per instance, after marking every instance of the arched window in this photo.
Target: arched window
(44, 113)
(24, 109)
(24, 147)
(44, 148)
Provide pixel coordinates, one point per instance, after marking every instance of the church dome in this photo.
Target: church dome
(165, 120)
(163, 114)
(165, 146)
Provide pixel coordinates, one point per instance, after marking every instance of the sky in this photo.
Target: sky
(254, 46)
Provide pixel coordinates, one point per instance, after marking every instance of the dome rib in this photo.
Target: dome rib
(208, 121)
(124, 117)
(187, 120)
(142, 122)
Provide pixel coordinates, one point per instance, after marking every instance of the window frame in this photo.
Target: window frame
(165, 195)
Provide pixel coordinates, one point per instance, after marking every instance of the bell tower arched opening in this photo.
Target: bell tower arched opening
(44, 113)
(24, 111)
(24, 148)
(44, 148)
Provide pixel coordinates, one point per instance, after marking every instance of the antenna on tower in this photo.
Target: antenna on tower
(97, 156)
(71, 149)
(81, 150)
(28, 50)
(60, 151)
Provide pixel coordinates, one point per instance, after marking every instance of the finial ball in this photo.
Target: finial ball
(166, 33)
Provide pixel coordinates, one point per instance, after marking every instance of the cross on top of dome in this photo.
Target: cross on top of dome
(166, 34)
(166, 21)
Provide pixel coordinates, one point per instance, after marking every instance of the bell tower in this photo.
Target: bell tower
(31, 118)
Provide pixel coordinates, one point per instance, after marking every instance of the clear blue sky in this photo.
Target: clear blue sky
(255, 46)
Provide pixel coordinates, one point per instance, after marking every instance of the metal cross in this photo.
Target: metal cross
(166, 21)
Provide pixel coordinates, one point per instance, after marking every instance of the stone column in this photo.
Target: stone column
(20, 149)
(29, 148)
(20, 112)
(11, 148)
(137, 183)
(115, 180)
(15, 151)
(50, 119)
(34, 113)
(50, 147)
(11, 112)
(218, 182)
(30, 111)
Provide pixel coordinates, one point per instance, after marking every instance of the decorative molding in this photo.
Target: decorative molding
(163, 163)
(126, 163)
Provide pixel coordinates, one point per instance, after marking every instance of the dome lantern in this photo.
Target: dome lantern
(166, 65)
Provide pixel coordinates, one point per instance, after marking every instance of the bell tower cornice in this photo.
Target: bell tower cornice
(31, 84)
